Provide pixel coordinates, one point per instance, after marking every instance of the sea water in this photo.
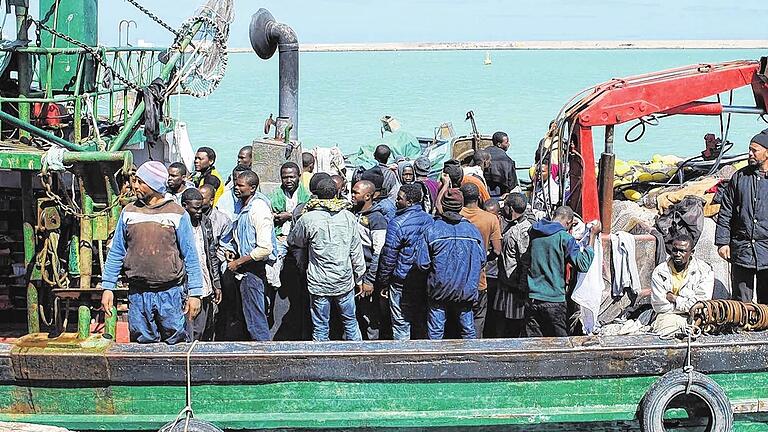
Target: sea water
(343, 95)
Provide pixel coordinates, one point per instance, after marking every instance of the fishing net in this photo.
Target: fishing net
(203, 64)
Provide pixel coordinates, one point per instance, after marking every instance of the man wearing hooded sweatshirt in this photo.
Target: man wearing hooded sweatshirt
(327, 231)
(372, 227)
(380, 198)
(551, 248)
(398, 270)
(453, 256)
(154, 246)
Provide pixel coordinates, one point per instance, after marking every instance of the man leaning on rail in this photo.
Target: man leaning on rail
(742, 224)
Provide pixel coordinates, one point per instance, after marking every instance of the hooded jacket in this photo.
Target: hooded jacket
(404, 239)
(372, 226)
(328, 233)
(501, 176)
(551, 247)
(453, 257)
(742, 221)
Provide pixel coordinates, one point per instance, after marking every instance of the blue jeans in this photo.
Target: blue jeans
(321, 316)
(254, 309)
(407, 305)
(438, 315)
(157, 316)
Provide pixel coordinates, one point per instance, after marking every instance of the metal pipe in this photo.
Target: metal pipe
(268, 35)
(736, 109)
(288, 48)
(86, 238)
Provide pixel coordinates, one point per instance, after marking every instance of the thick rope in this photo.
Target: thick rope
(187, 412)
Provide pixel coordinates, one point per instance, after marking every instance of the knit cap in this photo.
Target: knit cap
(421, 166)
(761, 138)
(154, 174)
(453, 200)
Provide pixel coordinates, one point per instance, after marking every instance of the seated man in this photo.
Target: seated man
(677, 285)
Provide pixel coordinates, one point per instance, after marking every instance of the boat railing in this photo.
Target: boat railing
(94, 91)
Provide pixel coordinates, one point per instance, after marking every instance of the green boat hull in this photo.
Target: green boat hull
(482, 385)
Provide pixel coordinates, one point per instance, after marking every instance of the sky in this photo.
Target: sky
(348, 21)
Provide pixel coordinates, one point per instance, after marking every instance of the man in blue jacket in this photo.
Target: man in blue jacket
(551, 247)
(154, 245)
(398, 271)
(453, 256)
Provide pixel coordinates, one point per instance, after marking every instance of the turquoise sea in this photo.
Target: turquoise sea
(343, 95)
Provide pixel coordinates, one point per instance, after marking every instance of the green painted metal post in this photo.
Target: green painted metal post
(110, 325)
(74, 256)
(33, 313)
(86, 240)
(29, 215)
(83, 322)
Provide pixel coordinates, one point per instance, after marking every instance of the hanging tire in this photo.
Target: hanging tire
(707, 405)
(195, 425)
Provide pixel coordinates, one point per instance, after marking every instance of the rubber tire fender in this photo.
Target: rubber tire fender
(672, 384)
(195, 425)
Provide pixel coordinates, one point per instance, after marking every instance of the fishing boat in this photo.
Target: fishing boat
(87, 381)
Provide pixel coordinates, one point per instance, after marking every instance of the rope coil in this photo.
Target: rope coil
(728, 316)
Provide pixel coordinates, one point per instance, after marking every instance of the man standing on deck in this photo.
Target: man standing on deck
(154, 246)
(308, 168)
(421, 168)
(201, 327)
(398, 271)
(475, 173)
(284, 291)
(742, 225)
(551, 247)
(327, 232)
(372, 227)
(391, 182)
(500, 175)
(206, 172)
(453, 256)
(177, 181)
(228, 202)
(253, 235)
(490, 229)
(244, 159)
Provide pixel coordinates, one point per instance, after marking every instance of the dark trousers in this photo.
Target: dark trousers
(489, 328)
(479, 311)
(546, 319)
(505, 327)
(288, 306)
(254, 303)
(202, 326)
(743, 284)
(230, 322)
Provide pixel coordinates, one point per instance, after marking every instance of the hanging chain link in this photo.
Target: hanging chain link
(46, 181)
(153, 17)
(94, 53)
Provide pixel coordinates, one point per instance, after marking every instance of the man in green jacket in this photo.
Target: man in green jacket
(551, 248)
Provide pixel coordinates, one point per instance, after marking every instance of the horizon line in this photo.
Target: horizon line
(529, 45)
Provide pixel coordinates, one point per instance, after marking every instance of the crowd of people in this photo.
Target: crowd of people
(392, 254)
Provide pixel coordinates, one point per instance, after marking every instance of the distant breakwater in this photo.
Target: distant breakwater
(530, 45)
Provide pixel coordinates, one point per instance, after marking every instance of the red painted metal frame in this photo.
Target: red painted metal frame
(673, 91)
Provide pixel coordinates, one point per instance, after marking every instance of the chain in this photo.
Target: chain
(45, 180)
(153, 17)
(94, 53)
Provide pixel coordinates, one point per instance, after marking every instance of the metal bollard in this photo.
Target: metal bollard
(83, 322)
